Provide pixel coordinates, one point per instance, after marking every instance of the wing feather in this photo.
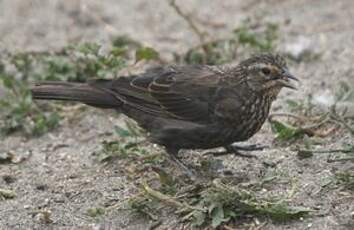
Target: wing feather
(182, 93)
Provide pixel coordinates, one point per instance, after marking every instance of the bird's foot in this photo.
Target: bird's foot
(235, 150)
(239, 154)
(254, 147)
(227, 152)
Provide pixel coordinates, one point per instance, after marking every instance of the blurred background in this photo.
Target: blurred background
(63, 165)
(38, 25)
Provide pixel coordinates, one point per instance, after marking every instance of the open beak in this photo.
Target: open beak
(285, 80)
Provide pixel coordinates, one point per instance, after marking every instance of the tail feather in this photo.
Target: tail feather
(79, 92)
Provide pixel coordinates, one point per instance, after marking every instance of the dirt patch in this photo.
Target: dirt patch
(61, 176)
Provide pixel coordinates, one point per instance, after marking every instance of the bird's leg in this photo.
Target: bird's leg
(173, 157)
(254, 147)
(231, 149)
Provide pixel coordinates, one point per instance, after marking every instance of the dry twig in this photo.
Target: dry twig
(201, 34)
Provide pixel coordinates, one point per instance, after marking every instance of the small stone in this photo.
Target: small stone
(59, 199)
(44, 217)
(7, 194)
(6, 157)
(9, 179)
(42, 187)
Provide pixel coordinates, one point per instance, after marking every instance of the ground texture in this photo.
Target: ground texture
(61, 173)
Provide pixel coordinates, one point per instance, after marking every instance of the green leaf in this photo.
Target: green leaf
(8, 81)
(217, 216)
(89, 48)
(118, 51)
(292, 104)
(53, 120)
(146, 53)
(199, 219)
(281, 212)
(121, 131)
(194, 57)
(284, 131)
(43, 123)
(124, 41)
(261, 40)
(133, 128)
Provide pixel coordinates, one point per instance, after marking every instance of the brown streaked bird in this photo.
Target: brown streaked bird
(187, 107)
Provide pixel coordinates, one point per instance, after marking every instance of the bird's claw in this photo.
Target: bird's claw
(227, 152)
(254, 147)
(239, 154)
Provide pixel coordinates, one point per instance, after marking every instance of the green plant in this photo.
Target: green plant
(72, 63)
(215, 204)
(119, 149)
(19, 112)
(126, 146)
(262, 40)
(222, 51)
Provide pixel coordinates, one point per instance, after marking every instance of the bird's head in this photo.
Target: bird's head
(267, 74)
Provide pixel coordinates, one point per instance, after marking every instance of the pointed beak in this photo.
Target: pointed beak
(287, 74)
(285, 80)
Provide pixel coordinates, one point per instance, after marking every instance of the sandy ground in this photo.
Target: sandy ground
(67, 180)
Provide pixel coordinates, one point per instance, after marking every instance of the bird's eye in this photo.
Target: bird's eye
(266, 71)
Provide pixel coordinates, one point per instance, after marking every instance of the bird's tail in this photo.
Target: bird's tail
(79, 92)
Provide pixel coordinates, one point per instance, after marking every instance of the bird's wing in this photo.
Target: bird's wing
(182, 93)
(185, 93)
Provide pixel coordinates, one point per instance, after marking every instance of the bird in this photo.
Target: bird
(187, 106)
